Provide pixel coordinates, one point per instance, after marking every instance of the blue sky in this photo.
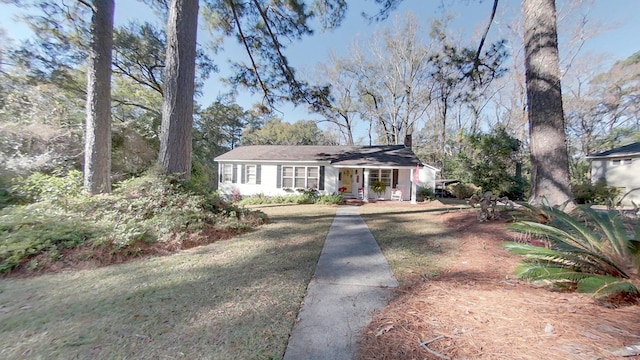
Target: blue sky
(619, 42)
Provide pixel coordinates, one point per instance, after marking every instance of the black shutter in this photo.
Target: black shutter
(394, 180)
(321, 183)
(279, 177)
(242, 174)
(258, 174)
(220, 172)
(234, 177)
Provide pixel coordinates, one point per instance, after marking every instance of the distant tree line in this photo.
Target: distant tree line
(114, 101)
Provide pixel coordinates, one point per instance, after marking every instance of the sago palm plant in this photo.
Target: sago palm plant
(593, 251)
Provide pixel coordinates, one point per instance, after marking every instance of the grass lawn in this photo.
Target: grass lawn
(234, 299)
(412, 238)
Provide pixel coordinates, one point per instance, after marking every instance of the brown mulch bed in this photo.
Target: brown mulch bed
(477, 309)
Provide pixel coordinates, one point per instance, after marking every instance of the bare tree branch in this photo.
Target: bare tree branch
(247, 48)
(484, 35)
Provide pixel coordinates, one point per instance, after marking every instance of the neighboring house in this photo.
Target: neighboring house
(619, 167)
(282, 169)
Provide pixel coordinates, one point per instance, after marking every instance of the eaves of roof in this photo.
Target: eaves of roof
(346, 156)
(622, 151)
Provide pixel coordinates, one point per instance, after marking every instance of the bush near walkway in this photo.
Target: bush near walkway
(146, 215)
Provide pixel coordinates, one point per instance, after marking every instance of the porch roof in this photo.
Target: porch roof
(351, 156)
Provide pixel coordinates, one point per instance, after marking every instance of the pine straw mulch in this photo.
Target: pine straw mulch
(477, 309)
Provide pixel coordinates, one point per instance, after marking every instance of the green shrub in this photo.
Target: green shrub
(518, 190)
(203, 175)
(595, 194)
(330, 199)
(308, 196)
(152, 208)
(304, 196)
(464, 190)
(592, 252)
(426, 194)
(43, 187)
(260, 199)
(28, 231)
(7, 197)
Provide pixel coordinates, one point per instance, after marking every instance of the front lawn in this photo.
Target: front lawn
(416, 244)
(234, 299)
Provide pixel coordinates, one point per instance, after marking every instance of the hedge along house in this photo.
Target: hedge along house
(282, 169)
(620, 168)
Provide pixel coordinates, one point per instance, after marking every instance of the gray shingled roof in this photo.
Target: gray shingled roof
(627, 150)
(382, 155)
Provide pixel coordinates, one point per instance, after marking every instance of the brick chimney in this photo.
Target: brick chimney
(407, 141)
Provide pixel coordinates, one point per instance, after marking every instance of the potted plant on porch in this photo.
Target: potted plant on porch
(378, 187)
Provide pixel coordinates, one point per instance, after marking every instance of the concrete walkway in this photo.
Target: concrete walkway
(351, 280)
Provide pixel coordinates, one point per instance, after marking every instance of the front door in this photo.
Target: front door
(346, 180)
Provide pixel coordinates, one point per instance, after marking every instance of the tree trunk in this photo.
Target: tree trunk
(549, 158)
(179, 79)
(97, 149)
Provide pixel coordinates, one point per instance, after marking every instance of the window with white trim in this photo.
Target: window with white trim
(227, 173)
(303, 177)
(251, 174)
(383, 175)
(618, 162)
(312, 177)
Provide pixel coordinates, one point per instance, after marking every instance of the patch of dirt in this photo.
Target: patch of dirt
(477, 309)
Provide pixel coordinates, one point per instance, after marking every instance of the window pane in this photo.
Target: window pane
(287, 182)
(300, 183)
(374, 175)
(312, 172)
(386, 176)
(287, 171)
(312, 183)
(227, 173)
(251, 174)
(299, 171)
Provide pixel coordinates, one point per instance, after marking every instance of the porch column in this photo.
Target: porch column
(414, 190)
(366, 185)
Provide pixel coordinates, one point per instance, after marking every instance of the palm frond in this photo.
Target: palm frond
(535, 254)
(576, 259)
(531, 213)
(553, 274)
(602, 286)
(554, 234)
(583, 262)
(612, 229)
(591, 250)
(540, 255)
(576, 228)
(524, 249)
(634, 245)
